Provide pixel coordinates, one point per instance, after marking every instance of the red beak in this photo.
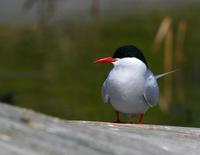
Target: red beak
(106, 60)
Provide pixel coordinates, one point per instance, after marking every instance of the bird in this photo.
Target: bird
(130, 86)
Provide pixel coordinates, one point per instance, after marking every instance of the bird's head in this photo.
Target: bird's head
(122, 54)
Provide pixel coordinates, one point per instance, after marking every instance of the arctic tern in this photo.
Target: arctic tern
(130, 86)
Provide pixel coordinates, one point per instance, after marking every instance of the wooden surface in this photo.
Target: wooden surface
(24, 132)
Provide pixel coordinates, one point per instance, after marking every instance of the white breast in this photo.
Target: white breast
(126, 84)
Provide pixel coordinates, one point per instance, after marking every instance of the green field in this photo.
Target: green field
(52, 71)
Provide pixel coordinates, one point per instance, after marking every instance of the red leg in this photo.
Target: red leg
(140, 119)
(117, 120)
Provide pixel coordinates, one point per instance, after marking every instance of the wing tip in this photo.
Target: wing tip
(163, 74)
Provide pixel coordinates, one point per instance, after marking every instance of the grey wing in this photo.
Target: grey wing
(151, 93)
(104, 92)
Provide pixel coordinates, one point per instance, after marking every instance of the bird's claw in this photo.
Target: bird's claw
(139, 123)
(117, 121)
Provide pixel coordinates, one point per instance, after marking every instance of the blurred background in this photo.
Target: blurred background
(47, 49)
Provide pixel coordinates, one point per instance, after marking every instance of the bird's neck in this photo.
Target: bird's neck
(130, 64)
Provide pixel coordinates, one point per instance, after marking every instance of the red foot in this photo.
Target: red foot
(141, 123)
(117, 118)
(140, 119)
(117, 121)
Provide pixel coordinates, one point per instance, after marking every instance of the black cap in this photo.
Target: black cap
(129, 51)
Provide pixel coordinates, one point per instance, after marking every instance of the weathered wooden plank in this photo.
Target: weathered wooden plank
(24, 132)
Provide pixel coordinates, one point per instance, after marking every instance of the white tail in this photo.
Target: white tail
(163, 74)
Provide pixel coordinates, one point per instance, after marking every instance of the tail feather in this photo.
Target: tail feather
(163, 74)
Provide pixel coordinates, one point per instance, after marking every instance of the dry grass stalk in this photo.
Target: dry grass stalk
(165, 33)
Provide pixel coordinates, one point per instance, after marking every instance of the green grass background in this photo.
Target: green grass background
(52, 71)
